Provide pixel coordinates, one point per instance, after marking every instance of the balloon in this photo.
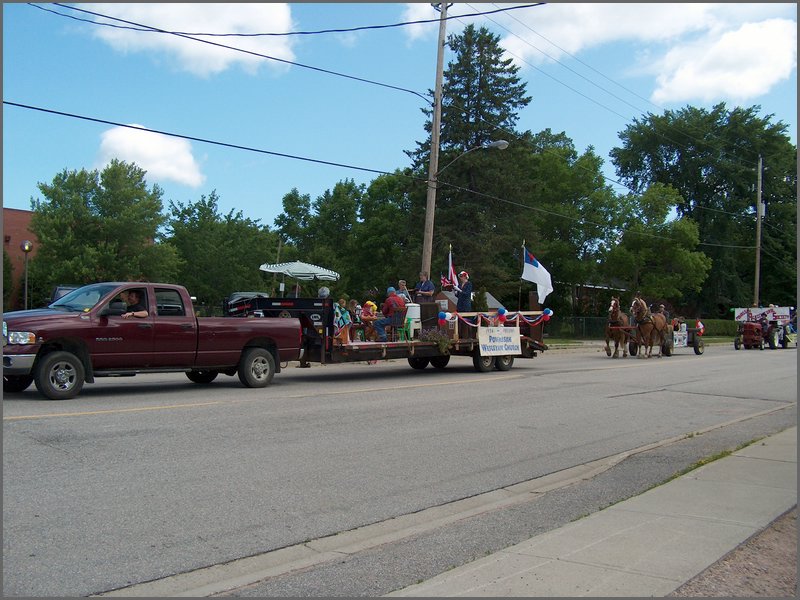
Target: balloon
(545, 317)
(448, 316)
(442, 315)
(501, 311)
(502, 318)
(442, 322)
(547, 311)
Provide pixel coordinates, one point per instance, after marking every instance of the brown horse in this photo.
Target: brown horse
(616, 318)
(649, 326)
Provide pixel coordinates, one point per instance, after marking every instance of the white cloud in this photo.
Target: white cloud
(195, 57)
(739, 65)
(163, 157)
(694, 51)
(420, 11)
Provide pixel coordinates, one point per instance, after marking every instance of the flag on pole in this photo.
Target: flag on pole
(535, 272)
(451, 278)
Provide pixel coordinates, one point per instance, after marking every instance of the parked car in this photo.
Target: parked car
(61, 290)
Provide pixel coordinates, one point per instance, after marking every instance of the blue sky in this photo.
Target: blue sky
(590, 68)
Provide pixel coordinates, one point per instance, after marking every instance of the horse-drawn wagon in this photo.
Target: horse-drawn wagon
(648, 328)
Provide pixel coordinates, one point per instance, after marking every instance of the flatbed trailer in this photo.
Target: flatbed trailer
(490, 343)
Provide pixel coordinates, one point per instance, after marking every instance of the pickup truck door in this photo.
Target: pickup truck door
(175, 336)
(118, 343)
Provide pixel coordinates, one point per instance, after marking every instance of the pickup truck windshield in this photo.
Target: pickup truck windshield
(83, 298)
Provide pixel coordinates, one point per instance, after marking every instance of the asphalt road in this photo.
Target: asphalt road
(145, 478)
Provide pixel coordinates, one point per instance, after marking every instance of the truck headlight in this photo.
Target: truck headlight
(21, 337)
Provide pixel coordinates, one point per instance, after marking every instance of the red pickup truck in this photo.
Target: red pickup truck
(84, 335)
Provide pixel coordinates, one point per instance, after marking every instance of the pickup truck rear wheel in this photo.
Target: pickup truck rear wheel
(202, 376)
(256, 368)
(59, 375)
(13, 384)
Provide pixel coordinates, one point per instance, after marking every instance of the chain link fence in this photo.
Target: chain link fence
(578, 328)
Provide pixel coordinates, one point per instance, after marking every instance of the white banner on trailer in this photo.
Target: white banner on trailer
(499, 341)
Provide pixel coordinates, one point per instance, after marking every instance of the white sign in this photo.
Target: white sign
(499, 341)
(782, 314)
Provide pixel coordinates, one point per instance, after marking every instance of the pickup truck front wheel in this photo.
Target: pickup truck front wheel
(256, 368)
(59, 375)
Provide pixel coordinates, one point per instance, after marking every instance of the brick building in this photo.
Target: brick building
(16, 230)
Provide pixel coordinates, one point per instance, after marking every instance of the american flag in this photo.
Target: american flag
(451, 279)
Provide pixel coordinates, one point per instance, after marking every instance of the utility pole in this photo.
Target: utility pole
(758, 233)
(430, 206)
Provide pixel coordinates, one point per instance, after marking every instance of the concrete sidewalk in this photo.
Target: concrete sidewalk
(648, 545)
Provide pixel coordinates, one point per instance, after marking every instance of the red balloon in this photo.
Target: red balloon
(545, 317)
(442, 322)
(501, 318)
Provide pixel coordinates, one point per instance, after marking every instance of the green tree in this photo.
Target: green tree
(292, 224)
(99, 226)
(481, 95)
(221, 254)
(710, 157)
(657, 255)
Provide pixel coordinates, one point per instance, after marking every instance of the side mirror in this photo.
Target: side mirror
(115, 308)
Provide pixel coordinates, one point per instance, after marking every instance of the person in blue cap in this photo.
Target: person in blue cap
(393, 304)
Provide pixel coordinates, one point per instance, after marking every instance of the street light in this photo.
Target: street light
(26, 247)
(498, 144)
(427, 242)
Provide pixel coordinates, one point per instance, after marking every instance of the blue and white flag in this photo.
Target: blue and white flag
(535, 272)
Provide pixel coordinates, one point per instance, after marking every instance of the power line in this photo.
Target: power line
(580, 220)
(250, 52)
(343, 165)
(736, 159)
(199, 139)
(291, 33)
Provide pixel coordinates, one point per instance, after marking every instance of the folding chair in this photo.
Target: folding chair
(399, 330)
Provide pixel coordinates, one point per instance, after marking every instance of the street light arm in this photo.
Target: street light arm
(499, 144)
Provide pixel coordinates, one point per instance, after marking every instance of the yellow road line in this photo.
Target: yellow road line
(110, 411)
(240, 400)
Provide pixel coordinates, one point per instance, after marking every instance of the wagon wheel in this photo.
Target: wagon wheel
(699, 346)
(737, 343)
(633, 348)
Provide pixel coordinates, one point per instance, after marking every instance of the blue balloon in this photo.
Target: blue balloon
(547, 311)
(501, 311)
(442, 315)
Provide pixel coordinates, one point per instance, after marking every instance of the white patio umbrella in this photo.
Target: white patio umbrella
(301, 270)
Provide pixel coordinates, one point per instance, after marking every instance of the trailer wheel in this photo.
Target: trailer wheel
(13, 384)
(256, 368)
(633, 348)
(483, 364)
(440, 362)
(699, 346)
(785, 338)
(504, 363)
(417, 363)
(737, 343)
(202, 376)
(59, 375)
(666, 349)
